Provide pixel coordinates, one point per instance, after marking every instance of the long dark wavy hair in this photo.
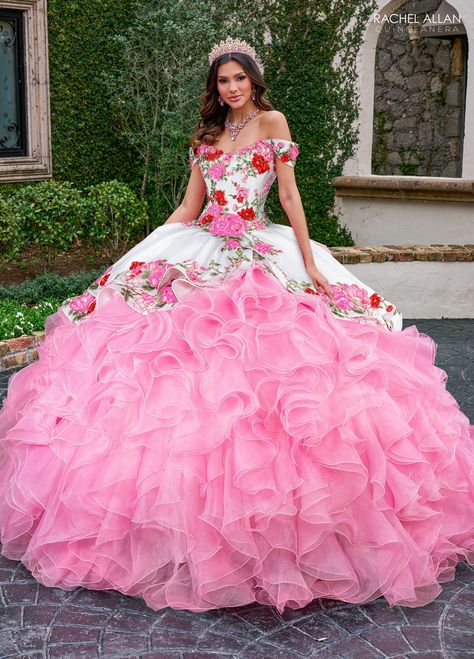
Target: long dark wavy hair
(213, 115)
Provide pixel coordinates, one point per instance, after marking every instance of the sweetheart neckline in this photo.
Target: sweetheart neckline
(247, 146)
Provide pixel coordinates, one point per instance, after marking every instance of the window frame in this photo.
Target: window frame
(36, 161)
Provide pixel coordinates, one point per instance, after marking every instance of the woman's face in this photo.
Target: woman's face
(233, 84)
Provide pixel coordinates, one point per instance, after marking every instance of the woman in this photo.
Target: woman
(228, 415)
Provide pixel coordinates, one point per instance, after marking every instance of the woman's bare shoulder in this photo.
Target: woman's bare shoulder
(276, 125)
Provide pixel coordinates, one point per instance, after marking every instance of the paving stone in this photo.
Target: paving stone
(129, 622)
(354, 647)
(264, 651)
(465, 600)
(30, 639)
(218, 643)
(77, 615)
(321, 626)
(204, 655)
(185, 621)
(71, 634)
(458, 619)
(6, 575)
(115, 645)
(98, 599)
(52, 595)
(230, 625)
(351, 619)
(459, 639)
(36, 615)
(382, 614)
(422, 638)
(23, 574)
(7, 645)
(425, 615)
(72, 652)
(16, 593)
(173, 639)
(10, 618)
(296, 640)
(262, 618)
(388, 640)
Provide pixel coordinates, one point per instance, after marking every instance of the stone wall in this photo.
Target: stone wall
(418, 100)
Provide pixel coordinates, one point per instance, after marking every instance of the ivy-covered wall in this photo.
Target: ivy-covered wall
(86, 142)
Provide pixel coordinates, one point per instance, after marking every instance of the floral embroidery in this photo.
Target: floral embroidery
(237, 186)
(228, 177)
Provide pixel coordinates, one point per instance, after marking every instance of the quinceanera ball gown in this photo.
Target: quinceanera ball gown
(203, 429)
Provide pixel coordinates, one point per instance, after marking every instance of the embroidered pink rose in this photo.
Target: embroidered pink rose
(263, 248)
(146, 297)
(194, 271)
(294, 152)
(357, 292)
(167, 294)
(217, 170)
(158, 268)
(258, 224)
(341, 299)
(232, 244)
(82, 302)
(228, 225)
(241, 194)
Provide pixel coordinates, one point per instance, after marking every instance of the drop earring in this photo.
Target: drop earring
(252, 94)
(221, 101)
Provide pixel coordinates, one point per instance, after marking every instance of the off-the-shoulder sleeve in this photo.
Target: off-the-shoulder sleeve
(193, 157)
(286, 150)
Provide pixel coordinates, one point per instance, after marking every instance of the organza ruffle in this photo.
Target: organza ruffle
(244, 446)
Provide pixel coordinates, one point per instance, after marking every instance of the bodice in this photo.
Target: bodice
(238, 183)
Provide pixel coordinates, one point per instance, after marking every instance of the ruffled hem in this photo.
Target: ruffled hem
(244, 446)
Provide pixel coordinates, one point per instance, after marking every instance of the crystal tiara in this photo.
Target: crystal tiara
(234, 46)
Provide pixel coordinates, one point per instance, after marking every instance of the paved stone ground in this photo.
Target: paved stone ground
(41, 622)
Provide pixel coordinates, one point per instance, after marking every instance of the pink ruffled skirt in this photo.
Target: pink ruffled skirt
(244, 446)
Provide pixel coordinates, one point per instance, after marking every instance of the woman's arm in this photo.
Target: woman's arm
(192, 200)
(288, 193)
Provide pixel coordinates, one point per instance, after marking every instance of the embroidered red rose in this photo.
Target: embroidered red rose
(205, 219)
(104, 279)
(91, 307)
(375, 300)
(285, 157)
(219, 196)
(213, 154)
(260, 164)
(309, 290)
(136, 264)
(390, 307)
(246, 213)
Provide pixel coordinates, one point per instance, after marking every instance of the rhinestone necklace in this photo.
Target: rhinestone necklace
(235, 127)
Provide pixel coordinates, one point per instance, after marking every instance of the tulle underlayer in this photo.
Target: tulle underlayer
(245, 446)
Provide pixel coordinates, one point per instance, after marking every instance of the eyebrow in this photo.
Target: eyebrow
(236, 74)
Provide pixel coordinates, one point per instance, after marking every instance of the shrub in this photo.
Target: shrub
(10, 236)
(50, 214)
(48, 286)
(115, 216)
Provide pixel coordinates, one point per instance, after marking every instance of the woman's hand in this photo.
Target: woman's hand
(319, 280)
